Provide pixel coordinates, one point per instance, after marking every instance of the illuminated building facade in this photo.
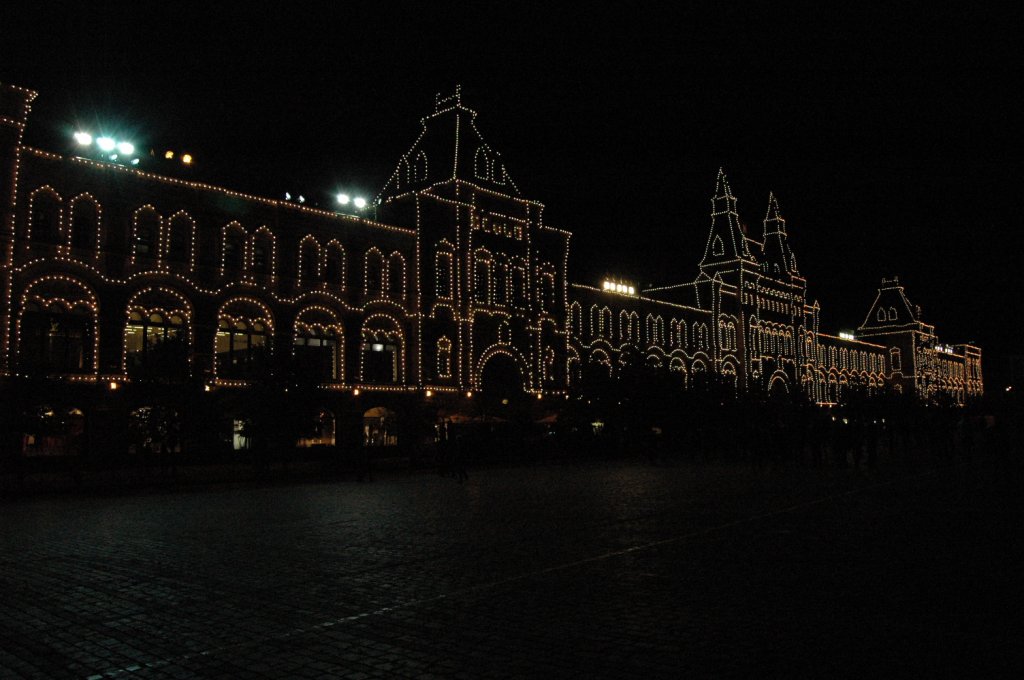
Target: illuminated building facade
(114, 276)
(745, 318)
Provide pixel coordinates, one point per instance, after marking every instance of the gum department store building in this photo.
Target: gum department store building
(114, 276)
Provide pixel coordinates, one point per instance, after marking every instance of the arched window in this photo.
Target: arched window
(892, 314)
(717, 246)
(518, 283)
(309, 261)
(244, 339)
(678, 367)
(444, 275)
(600, 357)
(501, 282)
(263, 253)
(145, 232)
(624, 326)
(607, 330)
(482, 277)
(318, 345)
(232, 249)
(85, 223)
(181, 230)
(45, 213)
(547, 292)
(482, 163)
(156, 343)
(396, 277)
(335, 270)
(700, 336)
(56, 338)
(381, 358)
(373, 273)
(895, 361)
(380, 427)
(444, 357)
(504, 333)
(420, 167)
(575, 319)
(57, 328)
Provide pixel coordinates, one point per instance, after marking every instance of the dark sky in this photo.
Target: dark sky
(891, 139)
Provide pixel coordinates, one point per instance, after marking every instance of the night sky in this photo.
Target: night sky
(891, 139)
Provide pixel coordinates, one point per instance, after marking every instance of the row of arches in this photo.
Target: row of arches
(77, 226)
(854, 360)
(771, 339)
(57, 332)
(685, 368)
(602, 327)
(171, 241)
(501, 281)
(831, 386)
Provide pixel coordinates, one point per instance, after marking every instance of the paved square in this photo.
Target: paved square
(596, 570)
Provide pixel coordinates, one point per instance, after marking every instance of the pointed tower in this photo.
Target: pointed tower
(449, 148)
(778, 258)
(726, 242)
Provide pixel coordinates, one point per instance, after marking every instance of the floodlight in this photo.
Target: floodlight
(343, 199)
(83, 138)
(168, 155)
(135, 161)
(186, 158)
(359, 202)
(106, 143)
(302, 199)
(127, 148)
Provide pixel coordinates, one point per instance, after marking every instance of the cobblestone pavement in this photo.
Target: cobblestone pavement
(598, 570)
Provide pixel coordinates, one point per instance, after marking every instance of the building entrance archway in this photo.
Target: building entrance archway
(501, 379)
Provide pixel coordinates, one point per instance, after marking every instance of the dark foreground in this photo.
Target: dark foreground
(595, 570)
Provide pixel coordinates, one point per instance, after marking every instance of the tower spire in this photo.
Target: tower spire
(773, 222)
(726, 241)
(778, 257)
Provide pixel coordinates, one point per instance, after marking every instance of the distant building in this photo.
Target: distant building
(115, 276)
(745, 318)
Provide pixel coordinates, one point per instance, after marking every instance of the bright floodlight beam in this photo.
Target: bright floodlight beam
(359, 203)
(105, 143)
(343, 199)
(126, 148)
(83, 138)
